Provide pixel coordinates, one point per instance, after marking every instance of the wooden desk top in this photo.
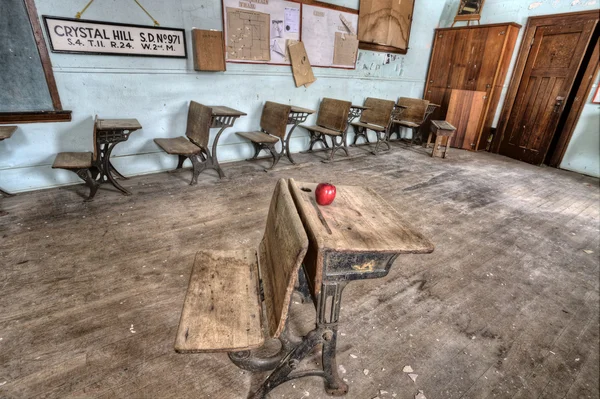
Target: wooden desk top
(442, 125)
(221, 110)
(359, 107)
(358, 220)
(302, 110)
(7, 131)
(118, 124)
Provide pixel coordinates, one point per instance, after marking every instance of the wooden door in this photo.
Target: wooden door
(554, 57)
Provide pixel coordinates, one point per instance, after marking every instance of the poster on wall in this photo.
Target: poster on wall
(259, 31)
(81, 36)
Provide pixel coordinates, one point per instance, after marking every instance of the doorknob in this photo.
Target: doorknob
(558, 103)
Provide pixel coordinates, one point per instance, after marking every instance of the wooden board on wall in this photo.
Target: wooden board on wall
(208, 49)
(464, 112)
(385, 22)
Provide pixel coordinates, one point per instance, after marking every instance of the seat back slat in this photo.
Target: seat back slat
(415, 109)
(274, 118)
(333, 114)
(198, 124)
(378, 113)
(280, 255)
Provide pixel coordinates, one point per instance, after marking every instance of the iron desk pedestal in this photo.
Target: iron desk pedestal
(297, 116)
(222, 117)
(109, 133)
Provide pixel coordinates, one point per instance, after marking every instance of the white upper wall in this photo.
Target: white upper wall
(156, 91)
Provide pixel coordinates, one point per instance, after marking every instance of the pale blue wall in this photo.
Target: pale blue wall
(582, 155)
(156, 91)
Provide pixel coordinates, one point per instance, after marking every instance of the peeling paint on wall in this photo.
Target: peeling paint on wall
(535, 5)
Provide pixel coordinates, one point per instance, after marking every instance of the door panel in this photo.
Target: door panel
(554, 58)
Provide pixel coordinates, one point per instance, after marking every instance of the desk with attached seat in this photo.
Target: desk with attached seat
(357, 237)
(194, 146)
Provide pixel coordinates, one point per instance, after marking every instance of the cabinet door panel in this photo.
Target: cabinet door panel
(476, 46)
(441, 59)
(491, 57)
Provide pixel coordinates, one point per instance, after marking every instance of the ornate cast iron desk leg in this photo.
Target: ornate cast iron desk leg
(295, 118)
(291, 354)
(212, 161)
(107, 140)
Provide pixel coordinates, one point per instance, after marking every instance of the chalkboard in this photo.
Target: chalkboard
(23, 85)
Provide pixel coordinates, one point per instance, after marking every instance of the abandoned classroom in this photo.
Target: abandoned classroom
(263, 199)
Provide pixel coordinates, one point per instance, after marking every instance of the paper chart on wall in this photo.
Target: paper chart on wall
(320, 26)
(282, 24)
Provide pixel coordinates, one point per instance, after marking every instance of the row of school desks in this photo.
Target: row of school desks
(110, 132)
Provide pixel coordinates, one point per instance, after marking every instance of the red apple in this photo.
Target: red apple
(325, 193)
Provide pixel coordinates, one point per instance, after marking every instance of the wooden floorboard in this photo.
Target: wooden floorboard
(507, 305)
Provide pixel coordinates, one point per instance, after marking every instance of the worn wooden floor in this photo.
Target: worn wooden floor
(507, 306)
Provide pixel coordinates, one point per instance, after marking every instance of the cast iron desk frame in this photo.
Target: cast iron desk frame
(6, 132)
(222, 118)
(328, 270)
(297, 116)
(396, 114)
(109, 133)
(354, 112)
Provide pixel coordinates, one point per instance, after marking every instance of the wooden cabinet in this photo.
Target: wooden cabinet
(470, 58)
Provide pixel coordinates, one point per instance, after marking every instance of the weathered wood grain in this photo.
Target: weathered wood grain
(281, 253)
(222, 310)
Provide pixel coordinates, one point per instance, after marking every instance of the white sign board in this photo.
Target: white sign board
(69, 35)
(319, 28)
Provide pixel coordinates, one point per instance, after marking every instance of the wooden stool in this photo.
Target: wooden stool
(441, 129)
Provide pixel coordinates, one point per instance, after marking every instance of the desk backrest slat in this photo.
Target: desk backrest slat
(198, 124)
(280, 255)
(274, 118)
(333, 114)
(415, 109)
(378, 111)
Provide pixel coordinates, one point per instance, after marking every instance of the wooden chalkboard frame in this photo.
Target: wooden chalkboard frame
(58, 115)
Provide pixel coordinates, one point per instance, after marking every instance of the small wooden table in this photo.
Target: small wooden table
(109, 133)
(222, 117)
(6, 132)
(357, 237)
(297, 116)
(441, 129)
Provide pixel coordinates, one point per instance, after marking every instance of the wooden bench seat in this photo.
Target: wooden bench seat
(369, 126)
(73, 160)
(322, 130)
(406, 123)
(222, 309)
(178, 146)
(258, 137)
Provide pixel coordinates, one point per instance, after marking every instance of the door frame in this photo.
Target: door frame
(533, 23)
